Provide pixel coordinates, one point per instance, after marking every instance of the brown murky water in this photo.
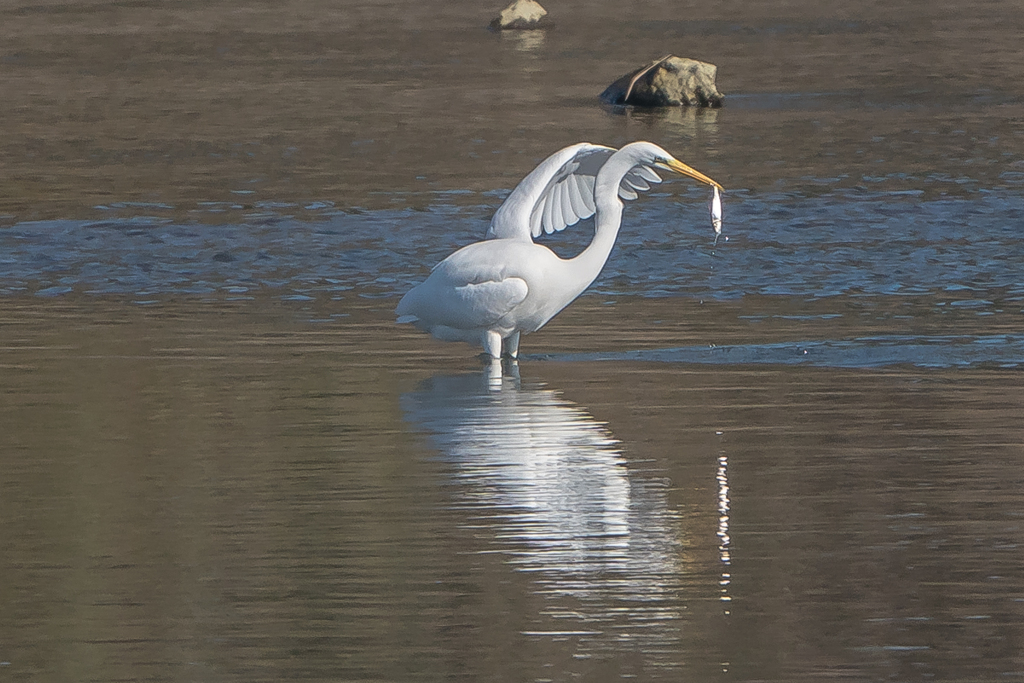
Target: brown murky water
(214, 493)
(797, 458)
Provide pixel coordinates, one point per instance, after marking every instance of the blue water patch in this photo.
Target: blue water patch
(999, 350)
(842, 243)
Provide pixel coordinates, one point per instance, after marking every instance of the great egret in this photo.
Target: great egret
(491, 292)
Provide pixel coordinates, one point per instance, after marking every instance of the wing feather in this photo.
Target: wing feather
(588, 193)
(469, 290)
(648, 174)
(560, 192)
(548, 218)
(535, 221)
(486, 302)
(579, 206)
(559, 219)
(627, 193)
(579, 172)
(530, 208)
(638, 179)
(636, 182)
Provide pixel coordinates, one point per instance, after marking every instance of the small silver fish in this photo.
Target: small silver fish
(716, 211)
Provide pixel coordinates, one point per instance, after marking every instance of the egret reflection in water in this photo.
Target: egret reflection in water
(562, 502)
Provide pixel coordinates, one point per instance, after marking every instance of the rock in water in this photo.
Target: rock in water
(520, 14)
(667, 82)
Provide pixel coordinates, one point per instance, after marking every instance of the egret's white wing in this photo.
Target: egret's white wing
(470, 289)
(482, 304)
(572, 171)
(560, 193)
(639, 179)
(472, 305)
(569, 195)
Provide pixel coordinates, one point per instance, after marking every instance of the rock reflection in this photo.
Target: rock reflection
(557, 496)
(687, 123)
(528, 42)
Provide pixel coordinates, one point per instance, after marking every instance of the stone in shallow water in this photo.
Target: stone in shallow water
(667, 82)
(519, 15)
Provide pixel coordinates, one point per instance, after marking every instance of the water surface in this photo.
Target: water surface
(215, 493)
(793, 455)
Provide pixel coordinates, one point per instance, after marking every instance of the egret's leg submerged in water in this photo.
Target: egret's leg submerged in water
(512, 345)
(492, 344)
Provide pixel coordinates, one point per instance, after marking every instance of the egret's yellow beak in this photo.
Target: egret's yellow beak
(682, 169)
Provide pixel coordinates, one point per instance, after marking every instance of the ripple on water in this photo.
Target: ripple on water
(1000, 350)
(854, 243)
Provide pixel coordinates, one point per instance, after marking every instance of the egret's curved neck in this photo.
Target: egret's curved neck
(607, 219)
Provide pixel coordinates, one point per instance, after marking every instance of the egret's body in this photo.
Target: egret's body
(491, 292)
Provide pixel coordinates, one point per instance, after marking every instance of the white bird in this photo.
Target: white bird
(489, 293)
